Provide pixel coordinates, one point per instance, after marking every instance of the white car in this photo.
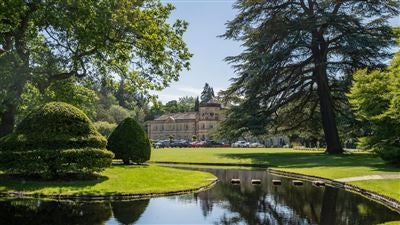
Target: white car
(257, 145)
(241, 144)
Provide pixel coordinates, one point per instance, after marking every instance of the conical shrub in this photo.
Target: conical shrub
(129, 142)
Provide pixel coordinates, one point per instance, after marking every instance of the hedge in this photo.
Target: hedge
(129, 142)
(55, 140)
(53, 163)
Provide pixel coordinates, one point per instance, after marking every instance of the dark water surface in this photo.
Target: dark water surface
(223, 204)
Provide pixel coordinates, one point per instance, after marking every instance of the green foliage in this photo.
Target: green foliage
(196, 104)
(184, 104)
(104, 128)
(296, 49)
(129, 142)
(55, 140)
(207, 94)
(119, 113)
(90, 40)
(68, 91)
(54, 162)
(375, 97)
(56, 125)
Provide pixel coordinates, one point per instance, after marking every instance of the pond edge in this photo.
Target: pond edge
(118, 196)
(383, 199)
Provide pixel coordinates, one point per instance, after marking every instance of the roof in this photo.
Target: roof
(177, 116)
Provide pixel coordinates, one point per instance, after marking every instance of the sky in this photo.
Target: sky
(207, 20)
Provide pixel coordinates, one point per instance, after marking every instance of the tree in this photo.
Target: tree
(105, 128)
(196, 104)
(171, 106)
(186, 104)
(56, 140)
(129, 142)
(375, 97)
(45, 41)
(296, 48)
(68, 91)
(207, 94)
(155, 110)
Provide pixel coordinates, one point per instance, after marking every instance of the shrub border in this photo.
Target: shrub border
(382, 199)
(118, 196)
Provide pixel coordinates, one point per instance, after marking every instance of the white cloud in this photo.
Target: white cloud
(188, 89)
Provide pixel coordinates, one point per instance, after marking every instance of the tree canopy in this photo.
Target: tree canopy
(297, 52)
(375, 97)
(207, 94)
(94, 41)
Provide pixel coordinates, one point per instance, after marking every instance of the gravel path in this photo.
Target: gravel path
(370, 177)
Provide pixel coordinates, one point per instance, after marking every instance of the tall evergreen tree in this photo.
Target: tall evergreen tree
(296, 48)
(207, 94)
(196, 105)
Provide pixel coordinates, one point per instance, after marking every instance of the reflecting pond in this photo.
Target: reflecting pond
(223, 204)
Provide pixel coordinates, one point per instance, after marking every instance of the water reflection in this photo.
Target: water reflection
(128, 212)
(36, 212)
(223, 204)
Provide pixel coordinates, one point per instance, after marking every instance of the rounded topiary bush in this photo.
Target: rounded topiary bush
(129, 142)
(55, 140)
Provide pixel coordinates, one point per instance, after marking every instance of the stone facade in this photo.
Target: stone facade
(186, 125)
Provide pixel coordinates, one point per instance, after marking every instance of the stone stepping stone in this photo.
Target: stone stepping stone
(277, 182)
(235, 181)
(318, 183)
(255, 181)
(297, 182)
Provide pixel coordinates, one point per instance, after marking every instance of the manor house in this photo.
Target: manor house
(186, 125)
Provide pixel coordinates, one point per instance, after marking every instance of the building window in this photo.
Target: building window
(203, 126)
(211, 126)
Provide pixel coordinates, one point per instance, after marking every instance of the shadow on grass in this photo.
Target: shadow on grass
(19, 184)
(317, 159)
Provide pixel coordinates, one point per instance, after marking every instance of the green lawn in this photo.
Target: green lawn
(391, 223)
(299, 161)
(390, 187)
(118, 179)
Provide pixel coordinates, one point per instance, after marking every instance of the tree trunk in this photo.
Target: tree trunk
(333, 145)
(7, 121)
(319, 50)
(126, 161)
(20, 76)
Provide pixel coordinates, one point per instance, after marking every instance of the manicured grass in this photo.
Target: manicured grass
(298, 161)
(391, 223)
(116, 180)
(307, 162)
(391, 188)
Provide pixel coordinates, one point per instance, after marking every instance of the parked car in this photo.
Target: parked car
(162, 144)
(257, 145)
(198, 144)
(212, 143)
(241, 144)
(179, 144)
